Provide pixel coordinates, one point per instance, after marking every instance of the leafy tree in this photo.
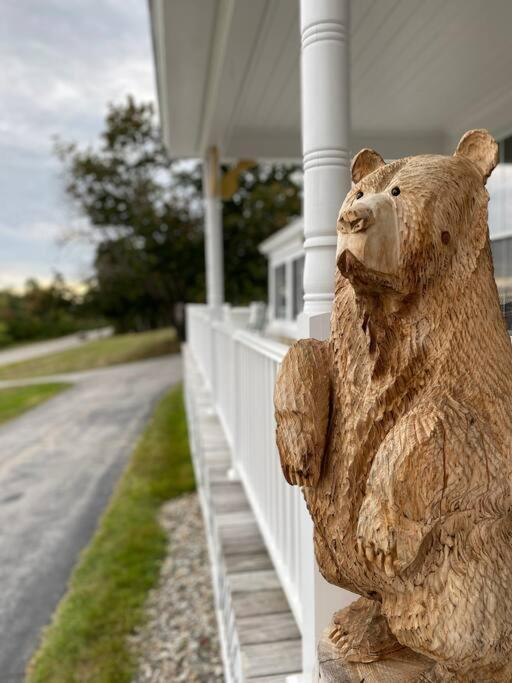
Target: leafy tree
(268, 196)
(42, 312)
(145, 212)
(150, 253)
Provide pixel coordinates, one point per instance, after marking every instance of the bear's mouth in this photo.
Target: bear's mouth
(363, 279)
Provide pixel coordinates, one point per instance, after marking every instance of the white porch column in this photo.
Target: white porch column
(214, 257)
(325, 140)
(325, 101)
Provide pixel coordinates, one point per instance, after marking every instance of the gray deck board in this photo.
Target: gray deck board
(259, 602)
(218, 473)
(242, 545)
(267, 659)
(247, 582)
(267, 628)
(231, 503)
(233, 519)
(247, 562)
(242, 541)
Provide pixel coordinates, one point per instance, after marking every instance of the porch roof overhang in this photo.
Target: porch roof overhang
(228, 73)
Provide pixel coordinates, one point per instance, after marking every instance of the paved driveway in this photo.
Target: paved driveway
(58, 465)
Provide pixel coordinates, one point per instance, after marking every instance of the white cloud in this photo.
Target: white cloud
(62, 62)
(37, 250)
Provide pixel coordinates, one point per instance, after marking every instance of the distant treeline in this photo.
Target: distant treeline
(45, 311)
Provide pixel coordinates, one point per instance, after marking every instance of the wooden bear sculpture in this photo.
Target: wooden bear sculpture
(399, 427)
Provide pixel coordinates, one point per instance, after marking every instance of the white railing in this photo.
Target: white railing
(223, 353)
(199, 337)
(211, 341)
(276, 505)
(240, 369)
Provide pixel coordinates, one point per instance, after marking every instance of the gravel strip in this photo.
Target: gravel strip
(179, 641)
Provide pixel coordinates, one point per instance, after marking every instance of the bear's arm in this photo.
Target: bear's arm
(302, 399)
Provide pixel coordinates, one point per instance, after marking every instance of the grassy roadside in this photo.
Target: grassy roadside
(17, 400)
(86, 641)
(121, 348)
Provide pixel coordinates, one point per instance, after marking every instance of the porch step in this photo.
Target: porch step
(260, 639)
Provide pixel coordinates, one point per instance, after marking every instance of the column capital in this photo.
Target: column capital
(324, 13)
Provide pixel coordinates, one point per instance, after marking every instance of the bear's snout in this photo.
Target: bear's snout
(356, 219)
(369, 230)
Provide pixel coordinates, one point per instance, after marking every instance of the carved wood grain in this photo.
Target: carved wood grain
(399, 427)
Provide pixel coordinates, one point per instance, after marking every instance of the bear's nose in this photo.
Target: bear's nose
(355, 219)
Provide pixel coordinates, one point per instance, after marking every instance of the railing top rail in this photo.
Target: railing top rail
(198, 311)
(267, 347)
(223, 326)
(196, 307)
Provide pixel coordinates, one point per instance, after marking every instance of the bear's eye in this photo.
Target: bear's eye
(359, 194)
(395, 191)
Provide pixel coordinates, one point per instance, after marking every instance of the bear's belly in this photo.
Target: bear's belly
(335, 501)
(335, 542)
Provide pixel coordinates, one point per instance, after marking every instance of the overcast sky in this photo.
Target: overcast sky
(62, 62)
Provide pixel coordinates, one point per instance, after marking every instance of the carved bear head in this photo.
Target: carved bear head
(412, 222)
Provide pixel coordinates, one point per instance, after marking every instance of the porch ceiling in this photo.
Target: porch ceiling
(423, 72)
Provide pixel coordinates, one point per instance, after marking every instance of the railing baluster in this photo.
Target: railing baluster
(240, 368)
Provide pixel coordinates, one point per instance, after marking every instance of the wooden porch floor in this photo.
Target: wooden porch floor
(260, 639)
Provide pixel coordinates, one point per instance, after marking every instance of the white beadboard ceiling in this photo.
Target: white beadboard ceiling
(422, 72)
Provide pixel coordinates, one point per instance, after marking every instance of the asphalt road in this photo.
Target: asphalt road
(58, 465)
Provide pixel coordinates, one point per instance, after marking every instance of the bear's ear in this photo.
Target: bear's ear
(366, 161)
(479, 146)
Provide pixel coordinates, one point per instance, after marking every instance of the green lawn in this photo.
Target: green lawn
(87, 639)
(15, 401)
(121, 348)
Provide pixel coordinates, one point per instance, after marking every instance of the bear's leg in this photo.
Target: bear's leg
(466, 626)
(361, 632)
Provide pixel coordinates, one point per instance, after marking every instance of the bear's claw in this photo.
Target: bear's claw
(386, 562)
(360, 633)
(340, 638)
(296, 477)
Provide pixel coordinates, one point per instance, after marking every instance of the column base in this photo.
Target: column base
(314, 325)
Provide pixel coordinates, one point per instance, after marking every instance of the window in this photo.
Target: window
(500, 226)
(502, 257)
(506, 150)
(298, 286)
(280, 291)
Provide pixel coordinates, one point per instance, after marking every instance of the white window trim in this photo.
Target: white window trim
(283, 248)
